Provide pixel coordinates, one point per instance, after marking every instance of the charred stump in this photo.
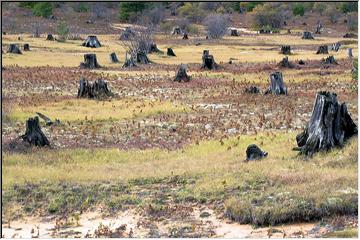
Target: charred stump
(318, 28)
(307, 35)
(91, 42)
(252, 89)
(329, 60)
(176, 31)
(323, 49)
(350, 35)
(286, 49)
(335, 47)
(185, 36)
(170, 52)
(285, 63)
(264, 31)
(26, 47)
(181, 75)
(234, 32)
(330, 126)
(208, 61)
(13, 48)
(277, 86)
(99, 89)
(142, 58)
(114, 58)
(154, 48)
(50, 37)
(90, 61)
(350, 55)
(129, 62)
(301, 62)
(33, 134)
(253, 152)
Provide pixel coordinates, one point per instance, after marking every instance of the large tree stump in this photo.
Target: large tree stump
(285, 63)
(252, 89)
(181, 74)
(50, 37)
(335, 47)
(277, 86)
(99, 89)
(323, 49)
(329, 60)
(90, 61)
(264, 31)
(92, 42)
(129, 62)
(286, 49)
(350, 55)
(208, 61)
(26, 47)
(33, 134)
(142, 58)
(330, 126)
(114, 58)
(154, 48)
(127, 34)
(318, 28)
(234, 32)
(350, 35)
(13, 48)
(185, 36)
(307, 35)
(253, 152)
(177, 31)
(170, 52)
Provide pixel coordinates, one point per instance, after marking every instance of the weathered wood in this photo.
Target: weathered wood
(50, 37)
(170, 52)
(177, 31)
(350, 55)
(91, 42)
(350, 35)
(285, 49)
(47, 120)
(185, 36)
(329, 60)
(33, 134)
(142, 58)
(318, 28)
(330, 126)
(253, 152)
(264, 31)
(252, 89)
(307, 35)
(26, 47)
(90, 61)
(335, 47)
(277, 86)
(99, 89)
(129, 62)
(154, 48)
(323, 49)
(13, 48)
(285, 63)
(208, 61)
(234, 32)
(181, 75)
(127, 34)
(114, 58)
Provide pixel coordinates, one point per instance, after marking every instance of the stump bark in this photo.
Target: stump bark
(253, 152)
(129, 62)
(285, 63)
(323, 49)
(277, 86)
(330, 126)
(114, 58)
(33, 134)
(154, 48)
(142, 58)
(286, 49)
(99, 89)
(329, 60)
(307, 35)
(170, 52)
(13, 48)
(26, 47)
(234, 32)
(127, 34)
(50, 37)
(91, 42)
(208, 61)
(181, 75)
(350, 55)
(90, 61)
(335, 47)
(252, 89)
(318, 28)
(185, 36)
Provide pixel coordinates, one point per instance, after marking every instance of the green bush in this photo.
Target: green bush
(266, 15)
(354, 71)
(299, 9)
(62, 30)
(81, 7)
(42, 9)
(349, 7)
(130, 9)
(192, 12)
(249, 6)
(27, 4)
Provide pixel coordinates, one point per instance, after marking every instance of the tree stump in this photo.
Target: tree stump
(114, 58)
(33, 134)
(350, 55)
(208, 61)
(127, 34)
(142, 58)
(252, 89)
(350, 35)
(301, 62)
(154, 48)
(307, 35)
(323, 49)
(90, 61)
(176, 31)
(335, 47)
(264, 31)
(99, 89)
(318, 28)
(330, 126)
(286, 49)
(129, 62)
(289, 31)
(329, 60)
(170, 52)
(185, 36)
(91, 42)
(234, 32)
(181, 74)
(13, 48)
(26, 47)
(253, 152)
(277, 86)
(285, 63)
(50, 37)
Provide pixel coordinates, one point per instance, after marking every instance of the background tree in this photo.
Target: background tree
(129, 10)
(267, 16)
(320, 7)
(332, 13)
(298, 9)
(43, 9)
(62, 30)
(217, 25)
